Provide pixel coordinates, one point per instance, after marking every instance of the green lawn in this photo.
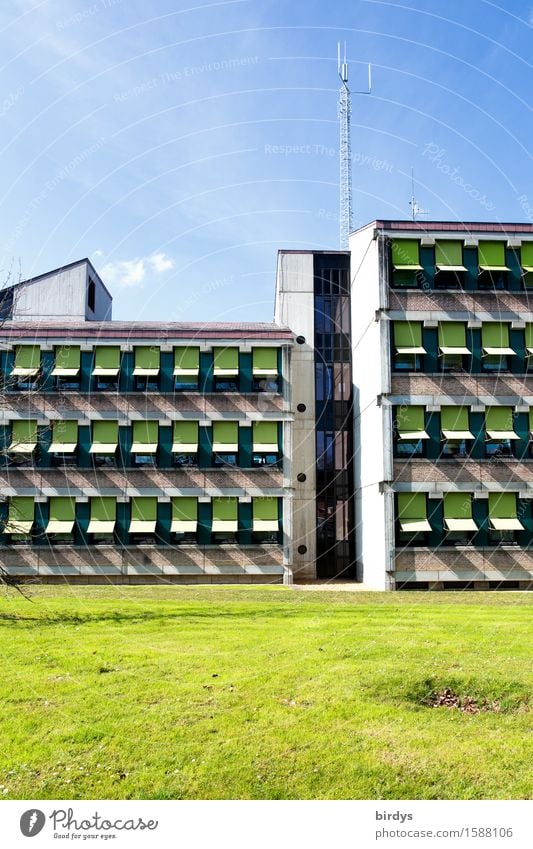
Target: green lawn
(184, 692)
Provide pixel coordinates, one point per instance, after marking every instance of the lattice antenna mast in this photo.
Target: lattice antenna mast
(416, 210)
(345, 147)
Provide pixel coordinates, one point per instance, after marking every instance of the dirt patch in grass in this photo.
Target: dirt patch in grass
(471, 696)
(467, 704)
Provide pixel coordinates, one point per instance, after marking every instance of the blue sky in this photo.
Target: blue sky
(179, 144)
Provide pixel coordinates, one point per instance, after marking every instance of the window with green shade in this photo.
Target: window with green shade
(67, 360)
(452, 337)
(225, 514)
(143, 514)
(499, 423)
(454, 423)
(147, 360)
(531, 422)
(458, 512)
(103, 515)
(495, 339)
(64, 437)
(21, 515)
(265, 362)
(408, 337)
(23, 435)
(412, 512)
(503, 512)
(449, 255)
(145, 437)
(104, 437)
(184, 514)
(406, 254)
(265, 513)
(62, 514)
(225, 436)
(106, 360)
(492, 256)
(526, 255)
(185, 438)
(187, 361)
(225, 362)
(528, 334)
(265, 436)
(27, 360)
(410, 422)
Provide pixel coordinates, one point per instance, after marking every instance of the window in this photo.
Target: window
(225, 443)
(527, 264)
(19, 524)
(184, 520)
(143, 521)
(265, 443)
(413, 525)
(449, 268)
(91, 295)
(23, 441)
(103, 518)
(106, 367)
(226, 369)
(265, 369)
(410, 429)
(64, 445)
(265, 524)
(186, 369)
(499, 426)
(455, 431)
(27, 367)
(459, 526)
(225, 522)
(62, 515)
(406, 262)
(407, 345)
(453, 349)
(67, 367)
(503, 518)
(185, 443)
(496, 348)
(146, 369)
(492, 266)
(104, 443)
(145, 442)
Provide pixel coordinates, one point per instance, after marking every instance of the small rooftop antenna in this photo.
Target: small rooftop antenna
(345, 148)
(416, 210)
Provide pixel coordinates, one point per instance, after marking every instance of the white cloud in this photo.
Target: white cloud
(161, 262)
(132, 272)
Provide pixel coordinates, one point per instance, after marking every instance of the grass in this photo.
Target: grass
(263, 693)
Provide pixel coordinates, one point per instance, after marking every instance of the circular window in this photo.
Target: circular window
(301, 408)
(300, 340)
(301, 477)
(302, 549)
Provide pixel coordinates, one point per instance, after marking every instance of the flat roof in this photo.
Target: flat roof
(159, 330)
(449, 226)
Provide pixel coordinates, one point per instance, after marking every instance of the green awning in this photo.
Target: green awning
(454, 423)
(265, 514)
(408, 337)
(225, 514)
(186, 362)
(147, 361)
(449, 255)
(105, 437)
(495, 339)
(528, 333)
(458, 512)
(526, 253)
(21, 515)
(67, 361)
(106, 361)
(145, 437)
(64, 437)
(499, 423)
(143, 514)
(27, 360)
(185, 438)
(265, 436)
(184, 515)
(492, 256)
(265, 362)
(225, 362)
(412, 512)
(452, 338)
(62, 515)
(23, 436)
(502, 512)
(405, 255)
(225, 436)
(103, 515)
(410, 422)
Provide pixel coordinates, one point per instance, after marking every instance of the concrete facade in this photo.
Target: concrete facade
(72, 293)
